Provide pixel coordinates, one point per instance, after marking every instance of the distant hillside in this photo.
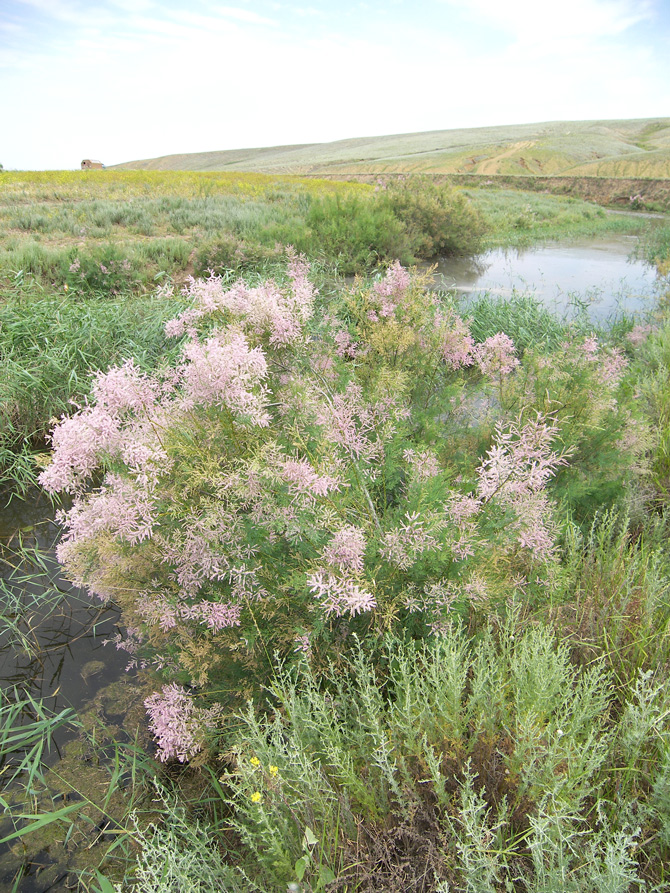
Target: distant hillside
(636, 148)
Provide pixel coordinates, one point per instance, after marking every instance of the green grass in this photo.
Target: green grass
(49, 345)
(519, 219)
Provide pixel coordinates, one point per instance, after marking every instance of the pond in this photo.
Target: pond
(598, 272)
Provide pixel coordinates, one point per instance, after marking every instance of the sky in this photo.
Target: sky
(121, 80)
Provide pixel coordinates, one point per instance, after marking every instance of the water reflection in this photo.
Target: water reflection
(601, 270)
(50, 631)
(52, 649)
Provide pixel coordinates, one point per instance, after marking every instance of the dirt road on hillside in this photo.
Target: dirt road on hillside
(492, 165)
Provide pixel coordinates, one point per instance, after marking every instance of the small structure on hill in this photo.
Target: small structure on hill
(89, 165)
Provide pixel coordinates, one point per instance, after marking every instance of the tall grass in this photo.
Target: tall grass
(49, 344)
(519, 219)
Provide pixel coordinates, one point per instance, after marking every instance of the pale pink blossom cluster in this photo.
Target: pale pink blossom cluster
(303, 645)
(612, 361)
(120, 506)
(404, 544)
(436, 597)
(109, 427)
(516, 470)
(423, 464)
(639, 334)
(264, 309)
(185, 322)
(345, 346)
(156, 610)
(614, 364)
(456, 343)
(339, 595)
(124, 388)
(359, 427)
(177, 723)
(210, 547)
(302, 478)
(392, 288)
(589, 347)
(535, 532)
(217, 615)
(346, 550)
(521, 461)
(461, 508)
(496, 356)
(77, 443)
(225, 371)
(130, 643)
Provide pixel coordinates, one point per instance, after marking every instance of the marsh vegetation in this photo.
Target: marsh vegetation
(391, 570)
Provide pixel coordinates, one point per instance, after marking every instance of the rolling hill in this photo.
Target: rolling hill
(632, 149)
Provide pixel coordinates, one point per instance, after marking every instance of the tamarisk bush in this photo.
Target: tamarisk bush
(277, 492)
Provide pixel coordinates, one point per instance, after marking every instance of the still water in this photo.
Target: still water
(52, 649)
(51, 630)
(597, 271)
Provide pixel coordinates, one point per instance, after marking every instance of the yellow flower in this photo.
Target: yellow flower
(255, 762)
(273, 770)
(256, 797)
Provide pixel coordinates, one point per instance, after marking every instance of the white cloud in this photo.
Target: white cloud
(530, 20)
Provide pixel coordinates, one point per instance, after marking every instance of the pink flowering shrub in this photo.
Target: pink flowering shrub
(250, 498)
(177, 723)
(580, 386)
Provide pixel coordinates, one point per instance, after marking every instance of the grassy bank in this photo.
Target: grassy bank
(115, 231)
(519, 219)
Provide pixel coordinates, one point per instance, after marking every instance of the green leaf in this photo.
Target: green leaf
(309, 839)
(41, 821)
(326, 876)
(105, 885)
(301, 867)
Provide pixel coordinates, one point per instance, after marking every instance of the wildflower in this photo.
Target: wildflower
(256, 797)
(638, 335)
(225, 371)
(340, 595)
(423, 464)
(273, 770)
(301, 478)
(346, 549)
(496, 356)
(177, 722)
(403, 545)
(255, 762)
(457, 344)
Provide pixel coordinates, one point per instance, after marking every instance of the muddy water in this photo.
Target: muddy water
(52, 648)
(57, 649)
(598, 272)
